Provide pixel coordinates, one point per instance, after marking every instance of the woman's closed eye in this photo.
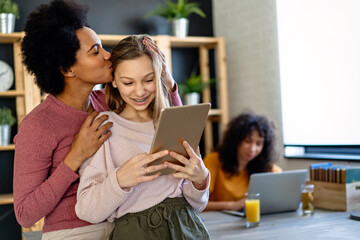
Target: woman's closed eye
(247, 140)
(95, 49)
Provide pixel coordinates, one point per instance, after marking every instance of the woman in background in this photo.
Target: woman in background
(67, 59)
(247, 147)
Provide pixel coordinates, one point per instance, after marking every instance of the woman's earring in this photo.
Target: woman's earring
(73, 74)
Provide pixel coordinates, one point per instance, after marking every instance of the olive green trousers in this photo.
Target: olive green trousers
(173, 218)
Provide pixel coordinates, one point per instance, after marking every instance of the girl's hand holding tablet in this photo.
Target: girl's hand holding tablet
(134, 171)
(194, 169)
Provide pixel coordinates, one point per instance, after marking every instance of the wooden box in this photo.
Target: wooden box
(337, 196)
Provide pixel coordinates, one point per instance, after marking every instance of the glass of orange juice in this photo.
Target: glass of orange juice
(252, 209)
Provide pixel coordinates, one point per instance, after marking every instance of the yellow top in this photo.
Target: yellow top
(223, 187)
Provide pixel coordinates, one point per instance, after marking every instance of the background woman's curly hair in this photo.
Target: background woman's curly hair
(50, 43)
(237, 130)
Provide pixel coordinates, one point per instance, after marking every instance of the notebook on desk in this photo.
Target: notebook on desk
(279, 192)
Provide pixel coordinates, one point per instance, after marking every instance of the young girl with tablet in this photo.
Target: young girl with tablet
(120, 190)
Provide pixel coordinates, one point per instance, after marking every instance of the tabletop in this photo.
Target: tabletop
(329, 225)
(323, 225)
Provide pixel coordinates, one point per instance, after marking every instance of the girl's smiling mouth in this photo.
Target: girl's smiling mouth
(140, 100)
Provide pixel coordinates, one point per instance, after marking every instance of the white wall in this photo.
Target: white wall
(250, 31)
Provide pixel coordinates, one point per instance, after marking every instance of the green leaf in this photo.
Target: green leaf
(193, 8)
(193, 84)
(6, 6)
(172, 11)
(6, 117)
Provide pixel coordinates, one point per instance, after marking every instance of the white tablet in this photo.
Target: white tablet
(175, 125)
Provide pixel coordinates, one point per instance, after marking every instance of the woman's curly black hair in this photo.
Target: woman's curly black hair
(50, 43)
(237, 130)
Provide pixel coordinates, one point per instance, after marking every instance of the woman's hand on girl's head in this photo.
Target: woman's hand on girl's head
(194, 168)
(89, 139)
(165, 74)
(135, 170)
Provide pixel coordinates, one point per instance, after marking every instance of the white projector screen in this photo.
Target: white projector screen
(319, 56)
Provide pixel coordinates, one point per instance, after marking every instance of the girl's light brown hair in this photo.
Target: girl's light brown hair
(129, 48)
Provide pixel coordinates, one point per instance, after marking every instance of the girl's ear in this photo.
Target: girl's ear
(114, 84)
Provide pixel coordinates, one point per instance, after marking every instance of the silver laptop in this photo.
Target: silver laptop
(279, 192)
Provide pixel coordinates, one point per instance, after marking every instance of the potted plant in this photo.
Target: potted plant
(8, 12)
(6, 121)
(192, 88)
(178, 15)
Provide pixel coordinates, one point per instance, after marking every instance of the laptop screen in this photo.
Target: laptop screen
(279, 192)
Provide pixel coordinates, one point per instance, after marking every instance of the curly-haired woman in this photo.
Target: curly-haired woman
(247, 147)
(67, 59)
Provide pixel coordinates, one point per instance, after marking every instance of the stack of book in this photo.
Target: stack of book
(326, 172)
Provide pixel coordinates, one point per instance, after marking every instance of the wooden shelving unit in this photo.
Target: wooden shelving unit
(12, 93)
(7, 148)
(27, 95)
(6, 199)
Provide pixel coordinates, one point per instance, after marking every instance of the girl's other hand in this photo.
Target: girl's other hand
(194, 168)
(88, 140)
(135, 170)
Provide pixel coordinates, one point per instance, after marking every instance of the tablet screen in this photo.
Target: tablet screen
(175, 125)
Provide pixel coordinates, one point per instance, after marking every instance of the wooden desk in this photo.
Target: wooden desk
(323, 225)
(326, 225)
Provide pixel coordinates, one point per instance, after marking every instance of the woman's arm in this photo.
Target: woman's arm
(35, 192)
(225, 205)
(213, 164)
(175, 97)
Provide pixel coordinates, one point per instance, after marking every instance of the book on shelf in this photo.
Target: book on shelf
(350, 174)
(316, 170)
(335, 172)
(326, 172)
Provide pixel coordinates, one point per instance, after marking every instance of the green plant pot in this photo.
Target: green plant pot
(7, 22)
